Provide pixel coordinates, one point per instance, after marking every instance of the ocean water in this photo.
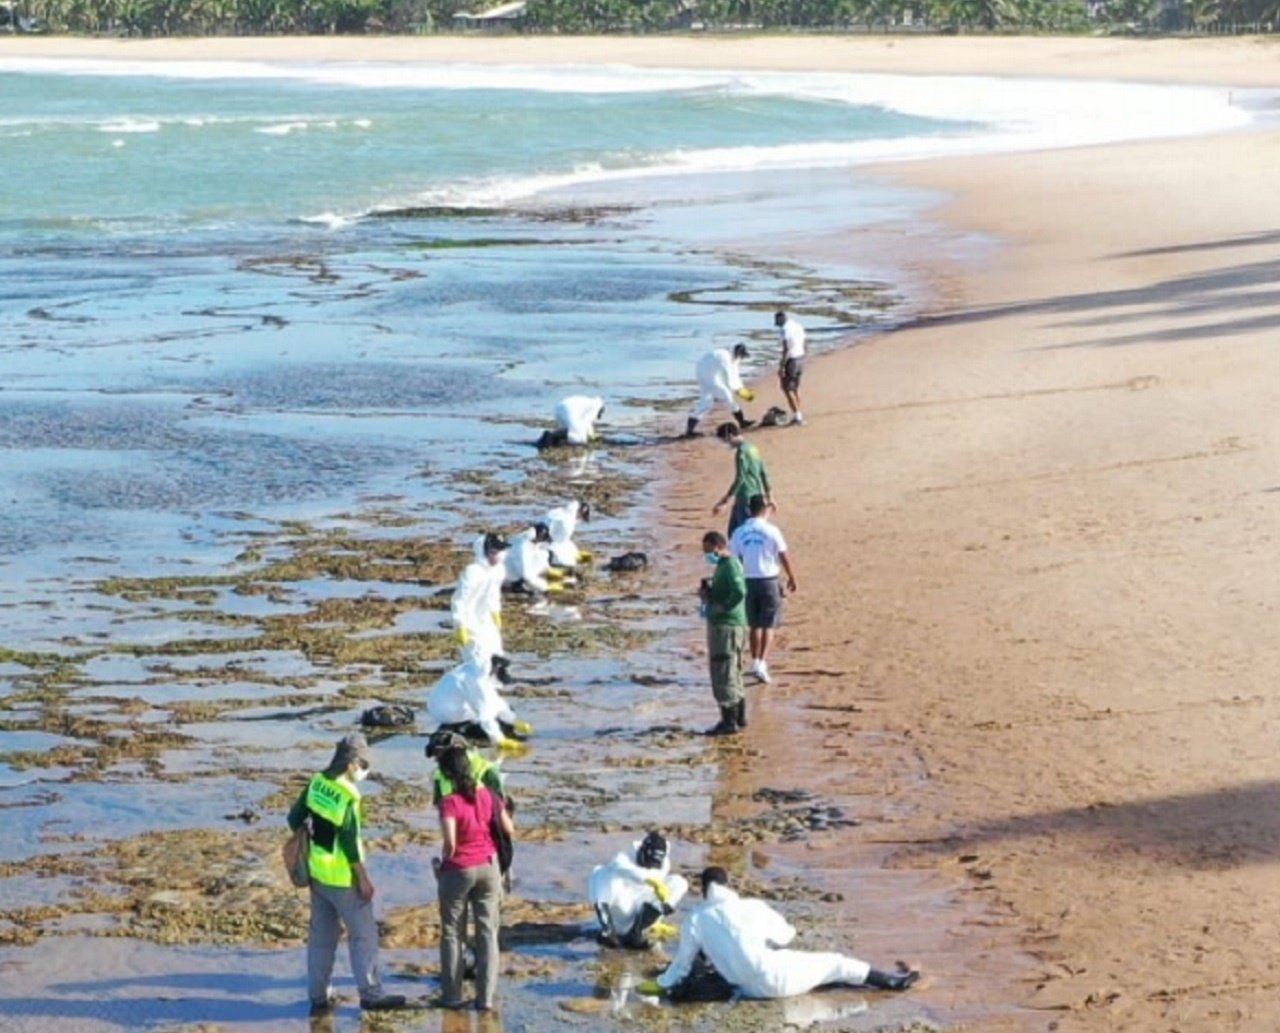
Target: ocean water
(277, 287)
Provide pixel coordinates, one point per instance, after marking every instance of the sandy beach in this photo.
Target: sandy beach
(1032, 646)
(1032, 529)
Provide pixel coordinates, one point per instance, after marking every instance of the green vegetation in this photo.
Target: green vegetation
(316, 17)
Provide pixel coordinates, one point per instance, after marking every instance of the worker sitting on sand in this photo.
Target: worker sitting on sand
(720, 381)
(476, 606)
(528, 562)
(466, 700)
(745, 942)
(634, 891)
(576, 419)
(562, 522)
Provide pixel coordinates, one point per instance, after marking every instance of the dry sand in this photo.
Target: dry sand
(1033, 640)
(1034, 536)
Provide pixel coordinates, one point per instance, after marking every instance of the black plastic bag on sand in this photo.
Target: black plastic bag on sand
(628, 563)
(394, 715)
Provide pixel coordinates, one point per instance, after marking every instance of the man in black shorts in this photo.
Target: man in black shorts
(791, 337)
(763, 552)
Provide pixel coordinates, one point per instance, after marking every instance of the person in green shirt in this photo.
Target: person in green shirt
(750, 477)
(724, 597)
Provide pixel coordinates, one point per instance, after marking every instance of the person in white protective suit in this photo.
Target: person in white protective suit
(466, 700)
(720, 381)
(633, 892)
(476, 607)
(528, 563)
(561, 524)
(745, 942)
(576, 419)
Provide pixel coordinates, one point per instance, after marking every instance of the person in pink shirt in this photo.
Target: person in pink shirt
(467, 874)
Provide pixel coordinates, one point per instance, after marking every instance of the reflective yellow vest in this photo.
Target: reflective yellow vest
(329, 798)
(480, 766)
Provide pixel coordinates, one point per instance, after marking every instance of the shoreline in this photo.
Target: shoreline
(1236, 61)
(1049, 500)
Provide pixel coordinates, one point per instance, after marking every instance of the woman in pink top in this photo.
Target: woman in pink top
(467, 873)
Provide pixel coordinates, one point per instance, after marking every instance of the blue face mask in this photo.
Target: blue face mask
(712, 557)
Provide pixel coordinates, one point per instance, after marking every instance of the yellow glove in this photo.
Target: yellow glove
(650, 988)
(523, 727)
(746, 394)
(555, 573)
(661, 930)
(659, 889)
(554, 586)
(464, 636)
(510, 745)
(584, 556)
(497, 618)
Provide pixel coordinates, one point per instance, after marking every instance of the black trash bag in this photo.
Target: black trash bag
(775, 417)
(387, 715)
(703, 983)
(628, 563)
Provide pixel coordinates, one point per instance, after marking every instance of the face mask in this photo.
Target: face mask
(360, 774)
(712, 557)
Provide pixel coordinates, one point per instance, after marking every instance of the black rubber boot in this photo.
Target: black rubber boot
(743, 422)
(891, 981)
(740, 713)
(728, 724)
(638, 937)
(690, 429)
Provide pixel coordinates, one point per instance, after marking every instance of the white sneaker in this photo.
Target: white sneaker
(755, 669)
(798, 419)
(761, 671)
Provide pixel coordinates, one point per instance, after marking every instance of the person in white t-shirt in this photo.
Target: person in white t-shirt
(790, 364)
(763, 553)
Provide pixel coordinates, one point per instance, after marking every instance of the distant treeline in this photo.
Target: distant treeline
(271, 17)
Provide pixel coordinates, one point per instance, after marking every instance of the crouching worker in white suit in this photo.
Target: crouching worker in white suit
(529, 562)
(576, 419)
(466, 700)
(745, 942)
(476, 607)
(719, 380)
(562, 522)
(634, 891)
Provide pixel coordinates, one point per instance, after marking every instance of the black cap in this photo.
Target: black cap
(441, 740)
(653, 851)
(494, 542)
(740, 351)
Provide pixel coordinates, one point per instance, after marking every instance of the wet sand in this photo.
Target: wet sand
(1036, 621)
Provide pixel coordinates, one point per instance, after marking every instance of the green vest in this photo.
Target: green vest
(480, 766)
(329, 798)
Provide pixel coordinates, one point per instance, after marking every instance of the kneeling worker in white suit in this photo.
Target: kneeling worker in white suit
(576, 419)
(720, 381)
(562, 522)
(745, 941)
(529, 561)
(466, 700)
(634, 891)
